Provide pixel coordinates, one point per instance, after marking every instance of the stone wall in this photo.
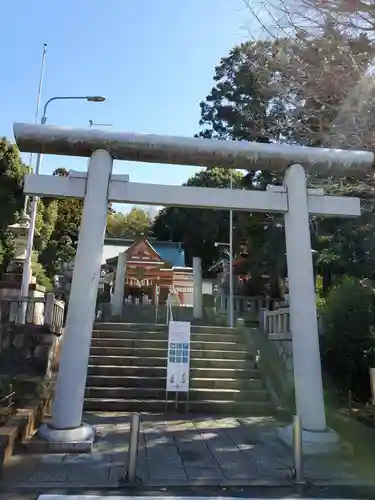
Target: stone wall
(28, 350)
(284, 349)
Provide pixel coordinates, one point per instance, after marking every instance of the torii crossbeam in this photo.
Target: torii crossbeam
(120, 190)
(294, 200)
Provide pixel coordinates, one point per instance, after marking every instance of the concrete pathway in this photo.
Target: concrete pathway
(91, 497)
(180, 451)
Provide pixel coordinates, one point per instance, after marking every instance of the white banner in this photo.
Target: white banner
(178, 367)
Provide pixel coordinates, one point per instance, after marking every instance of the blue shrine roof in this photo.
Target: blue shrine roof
(175, 256)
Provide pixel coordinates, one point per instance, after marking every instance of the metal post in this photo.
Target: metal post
(37, 109)
(133, 447)
(297, 450)
(26, 272)
(230, 309)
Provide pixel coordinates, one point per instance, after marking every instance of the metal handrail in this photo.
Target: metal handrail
(169, 308)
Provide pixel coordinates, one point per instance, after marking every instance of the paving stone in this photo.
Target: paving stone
(84, 474)
(48, 475)
(54, 459)
(105, 446)
(94, 459)
(159, 440)
(197, 451)
(167, 472)
(228, 422)
(221, 444)
(236, 471)
(168, 482)
(207, 424)
(195, 472)
(20, 468)
(166, 455)
(191, 454)
(225, 458)
(188, 436)
(269, 463)
(327, 470)
(179, 426)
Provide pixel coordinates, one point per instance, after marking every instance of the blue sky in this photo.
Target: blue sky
(152, 59)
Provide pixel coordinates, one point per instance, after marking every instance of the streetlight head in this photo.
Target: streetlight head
(95, 98)
(216, 244)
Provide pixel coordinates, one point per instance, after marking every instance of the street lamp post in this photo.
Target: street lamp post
(93, 124)
(230, 252)
(30, 236)
(231, 259)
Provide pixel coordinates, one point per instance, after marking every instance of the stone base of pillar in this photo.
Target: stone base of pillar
(52, 440)
(313, 443)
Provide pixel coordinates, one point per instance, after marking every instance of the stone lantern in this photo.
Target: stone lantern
(19, 231)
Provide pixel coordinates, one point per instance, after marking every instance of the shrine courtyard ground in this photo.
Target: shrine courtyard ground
(177, 452)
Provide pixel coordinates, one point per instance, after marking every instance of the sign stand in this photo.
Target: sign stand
(178, 364)
(157, 294)
(187, 402)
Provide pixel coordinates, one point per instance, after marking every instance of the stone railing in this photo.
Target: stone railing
(275, 355)
(243, 304)
(43, 311)
(276, 324)
(54, 313)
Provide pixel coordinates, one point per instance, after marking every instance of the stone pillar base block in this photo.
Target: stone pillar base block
(51, 440)
(313, 442)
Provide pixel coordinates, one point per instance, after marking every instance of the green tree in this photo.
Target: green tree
(311, 91)
(348, 344)
(46, 218)
(199, 229)
(12, 171)
(132, 224)
(61, 246)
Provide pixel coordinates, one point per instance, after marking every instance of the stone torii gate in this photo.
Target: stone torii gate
(99, 186)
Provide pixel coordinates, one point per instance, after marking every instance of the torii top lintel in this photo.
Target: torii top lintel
(190, 151)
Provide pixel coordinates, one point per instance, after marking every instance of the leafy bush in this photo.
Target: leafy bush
(41, 277)
(320, 300)
(348, 344)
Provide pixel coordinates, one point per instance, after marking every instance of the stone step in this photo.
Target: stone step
(228, 407)
(195, 394)
(159, 335)
(148, 327)
(161, 371)
(160, 382)
(125, 327)
(162, 361)
(156, 352)
(152, 343)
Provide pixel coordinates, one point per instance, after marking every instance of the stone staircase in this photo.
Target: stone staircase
(145, 313)
(127, 372)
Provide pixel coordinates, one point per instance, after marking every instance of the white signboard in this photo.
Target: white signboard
(178, 366)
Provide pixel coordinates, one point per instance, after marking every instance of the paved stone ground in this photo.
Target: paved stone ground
(180, 451)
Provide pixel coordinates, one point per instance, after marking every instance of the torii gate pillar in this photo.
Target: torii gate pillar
(118, 295)
(67, 426)
(303, 320)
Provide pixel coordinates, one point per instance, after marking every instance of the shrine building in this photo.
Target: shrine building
(152, 269)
